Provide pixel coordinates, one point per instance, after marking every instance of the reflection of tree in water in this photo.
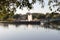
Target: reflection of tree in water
(5, 25)
(30, 26)
(52, 26)
(17, 25)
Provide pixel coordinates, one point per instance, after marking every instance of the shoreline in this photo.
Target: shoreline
(28, 22)
(21, 22)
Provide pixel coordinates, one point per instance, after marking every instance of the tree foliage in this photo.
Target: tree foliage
(8, 7)
(26, 3)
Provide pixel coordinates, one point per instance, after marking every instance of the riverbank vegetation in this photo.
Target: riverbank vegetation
(8, 9)
(12, 16)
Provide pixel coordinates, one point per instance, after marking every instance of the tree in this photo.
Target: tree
(16, 16)
(41, 16)
(26, 3)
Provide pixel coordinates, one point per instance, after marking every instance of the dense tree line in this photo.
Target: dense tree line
(38, 16)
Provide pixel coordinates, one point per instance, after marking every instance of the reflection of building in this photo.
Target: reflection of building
(29, 17)
(30, 26)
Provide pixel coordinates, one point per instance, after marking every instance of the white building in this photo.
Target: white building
(29, 17)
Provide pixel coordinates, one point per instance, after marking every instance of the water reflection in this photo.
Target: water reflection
(52, 26)
(30, 26)
(29, 32)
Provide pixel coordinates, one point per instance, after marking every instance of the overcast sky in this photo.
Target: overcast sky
(37, 8)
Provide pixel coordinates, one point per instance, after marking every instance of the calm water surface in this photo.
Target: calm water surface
(28, 32)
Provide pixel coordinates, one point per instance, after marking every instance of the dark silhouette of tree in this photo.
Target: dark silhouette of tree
(26, 3)
(16, 16)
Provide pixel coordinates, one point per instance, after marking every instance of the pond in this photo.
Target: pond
(28, 32)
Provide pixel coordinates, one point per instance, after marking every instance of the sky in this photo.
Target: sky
(36, 8)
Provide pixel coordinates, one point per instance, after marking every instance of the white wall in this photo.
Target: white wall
(30, 17)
